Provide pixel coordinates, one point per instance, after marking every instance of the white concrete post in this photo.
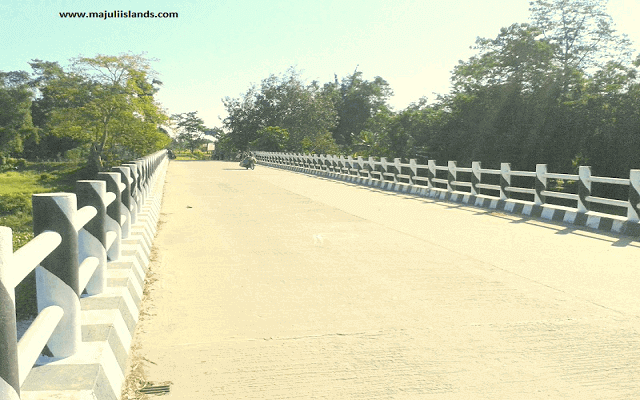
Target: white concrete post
(133, 192)
(125, 219)
(57, 276)
(397, 165)
(371, 166)
(452, 174)
(9, 367)
(92, 238)
(541, 183)
(633, 211)
(413, 166)
(113, 216)
(476, 177)
(431, 173)
(505, 180)
(360, 162)
(584, 188)
(383, 165)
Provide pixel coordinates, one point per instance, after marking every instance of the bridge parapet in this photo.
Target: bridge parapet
(484, 187)
(76, 235)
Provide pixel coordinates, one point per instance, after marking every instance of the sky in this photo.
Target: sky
(219, 48)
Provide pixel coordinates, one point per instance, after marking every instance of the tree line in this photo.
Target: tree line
(102, 108)
(561, 89)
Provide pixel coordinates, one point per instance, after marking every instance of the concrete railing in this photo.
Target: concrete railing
(447, 181)
(75, 236)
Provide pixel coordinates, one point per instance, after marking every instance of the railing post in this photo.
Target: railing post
(584, 188)
(476, 177)
(398, 168)
(371, 166)
(351, 164)
(57, 276)
(431, 173)
(383, 165)
(92, 238)
(113, 216)
(125, 218)
(133, 192)
(633, 213)
(541, 184)
(413, 167)
(505, 180)
(452, 169)
(141, 185)
(360, 162)
(9, 364)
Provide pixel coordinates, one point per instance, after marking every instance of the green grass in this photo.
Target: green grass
(16, 188)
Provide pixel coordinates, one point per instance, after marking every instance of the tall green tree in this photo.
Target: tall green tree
(111, 104)
(16, 124)
(283, 101)
(356, 101)
(190, 129)
(582, 34)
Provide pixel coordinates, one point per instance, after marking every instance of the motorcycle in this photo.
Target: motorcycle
(248, 162)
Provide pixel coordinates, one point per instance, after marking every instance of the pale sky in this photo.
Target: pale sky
(219, 48)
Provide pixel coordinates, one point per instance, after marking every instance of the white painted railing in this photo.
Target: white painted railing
(75, 236)
(415, 174)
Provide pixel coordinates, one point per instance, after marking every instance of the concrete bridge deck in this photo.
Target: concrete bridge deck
(270, 284)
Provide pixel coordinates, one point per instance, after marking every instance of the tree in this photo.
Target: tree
(283, 101)
(15, 112)
(271, 138)
(356, 100)
(582, 34)
(191, 129)
(110, 104)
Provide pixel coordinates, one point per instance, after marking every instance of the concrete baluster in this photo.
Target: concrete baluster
(113, 216)
(431, 173)
(9, 367)
(57, 276)
(413, 170)
(383, 166)
(452, 173)
(371, 166)
(584, 188)
(141, 185)
(541, 184)
(125, 220)
(633, 211)
(505, 180)
(133, 192)
(397, 165)
(476, 177)
(92, 238)
(361, 166)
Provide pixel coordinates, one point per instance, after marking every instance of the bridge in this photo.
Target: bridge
(275, 283)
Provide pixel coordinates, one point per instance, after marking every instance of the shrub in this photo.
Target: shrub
(14, 203)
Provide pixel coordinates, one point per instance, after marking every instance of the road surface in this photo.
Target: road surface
(270, 284)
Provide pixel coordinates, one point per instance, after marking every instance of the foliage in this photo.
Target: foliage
(15, 112)
(356, 101)
(105, 102)
(304, 111)
(271, 138)
(190, 129)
